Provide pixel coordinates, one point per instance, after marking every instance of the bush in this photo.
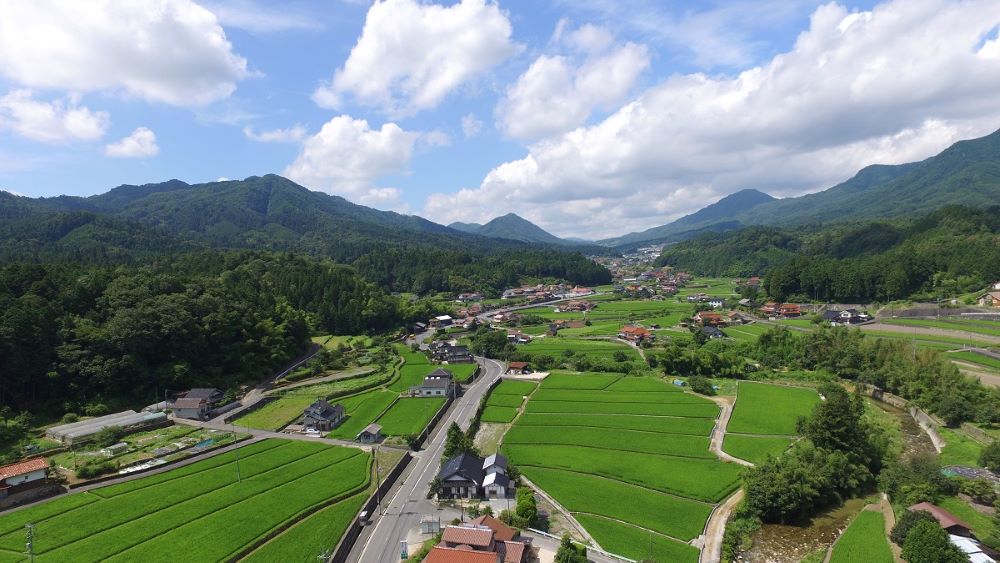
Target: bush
(990, 456)
(569, 552)
(701, 385)
(95, 469)
(906, 522)
(95, 409)
(981, 490)
(70, 417)
(108, 436)
(927, 542)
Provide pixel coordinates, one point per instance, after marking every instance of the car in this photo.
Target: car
(312, 432)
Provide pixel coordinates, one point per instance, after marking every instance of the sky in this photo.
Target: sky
(591, 118)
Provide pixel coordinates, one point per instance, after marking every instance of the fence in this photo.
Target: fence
(350, 537)
(590, 549)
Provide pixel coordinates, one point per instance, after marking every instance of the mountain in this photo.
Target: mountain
(966, 173)
(716, 213)
(514, 227)
(465, 227)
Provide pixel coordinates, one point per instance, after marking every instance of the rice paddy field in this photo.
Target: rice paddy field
(558, 346)
(755, 449)
(409, 415)
(864, 541)
(203, 507)
(770, 409)
(504, 402)
(362, 410)
(627, 456)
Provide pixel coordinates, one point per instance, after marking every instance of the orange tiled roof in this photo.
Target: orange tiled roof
(23, 467)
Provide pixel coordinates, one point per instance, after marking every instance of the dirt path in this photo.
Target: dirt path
(719, 432)
(972, 370)
(931, 331)
(711, 551)
(890, 523)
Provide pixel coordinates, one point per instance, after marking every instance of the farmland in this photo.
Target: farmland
(770, 409)
(409, 416)
(754, 449)
(203, 506)
(303, 542)
(558, 347)
(864, 541)
(504, 402)
(361, 411)
(627, 456)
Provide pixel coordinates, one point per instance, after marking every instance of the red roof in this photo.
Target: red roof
(23, 467)
(452, 555)
(518, 365)
(634, 330)
(512, 551)
(945, 519)
(475, 537)
(707, 315)
(501, 531)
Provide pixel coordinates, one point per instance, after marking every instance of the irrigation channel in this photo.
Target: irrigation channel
(775, 543)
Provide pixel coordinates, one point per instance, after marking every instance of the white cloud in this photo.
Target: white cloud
(50, 122)
(288, 135)
(140, 143)
(171, 51)
(347, 156)
(893, 85)
(559, 92)
(411, 55)
(471, 126)
(258, 17)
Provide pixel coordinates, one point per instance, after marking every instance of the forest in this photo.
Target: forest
(950, 251)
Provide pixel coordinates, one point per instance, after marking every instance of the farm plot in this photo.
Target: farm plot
(644, 384)
(579, 380)
(306, 541)
(770, 409)
(754, 449)
(409, 415)
(416, 365)
(974, 358)
(362, 410)
(612, 439)
(988, 328)
(636, 544)
(504, 401)
(514, 387)
(462, 372)
(588, 396)
(662, 424)
(864, 541)
(558, 347)
(203, 506)
(497, 414)
(695, 410)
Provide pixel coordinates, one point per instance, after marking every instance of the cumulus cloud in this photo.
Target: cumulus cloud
(139, 144)
(558, 92)
(895, 84)
(288, 135)
(347, 156)
(171, 51)
(411, 55)
(50, 122)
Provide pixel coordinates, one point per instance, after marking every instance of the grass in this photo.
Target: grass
(635, 543)
(462, 372)
(770, 409)
(694, 410)
(931, 339)
(982, 524)
(513, 387)
(973, 358)
(959, 449)
(200, 506)
(754, 449)
(708, 480)
(864, 541)
(409, 416)
(677, 517)
(305, 541)
(584, 380)
(362, 410)
(558, 346)
(661, 424)
(498, 414)
(612, 439)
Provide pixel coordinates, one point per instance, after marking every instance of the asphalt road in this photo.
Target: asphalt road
(380, 542)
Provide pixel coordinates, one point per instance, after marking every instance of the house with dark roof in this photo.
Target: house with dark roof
(197, 403)
(323, 416)
(469, 476)
(451, 354)
(370, 435)
(947, 520)
(518, 368)
(438, 383)
(712, 332)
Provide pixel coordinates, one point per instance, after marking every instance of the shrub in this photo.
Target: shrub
(95, 409)
(981, 490)
(108, 436)
(927, 542)
(990, 457)
(702, 385)
(94, 469)
(70, 417)
(906, 522)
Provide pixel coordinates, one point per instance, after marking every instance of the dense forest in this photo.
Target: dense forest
(952, 250)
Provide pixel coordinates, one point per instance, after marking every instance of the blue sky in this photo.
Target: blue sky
(590, 117)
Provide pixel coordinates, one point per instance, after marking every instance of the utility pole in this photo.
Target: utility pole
(378, 487)
(239, 479)
(30, 544)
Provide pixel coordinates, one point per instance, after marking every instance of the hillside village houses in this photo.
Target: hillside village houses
(635, 334)
(990, 298)
(845, 317)
(323, 416)
(450, 353)
(469, 476)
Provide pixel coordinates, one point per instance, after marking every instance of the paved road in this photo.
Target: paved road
(380, 542)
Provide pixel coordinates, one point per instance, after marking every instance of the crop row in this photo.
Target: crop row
(612, 439)
(695, 410)
(563, 380)
(497, 414)
(661, 424)
(754, 449)
(615, 396)
(644, 384)
(308, 539)
(514, 387)
(636, 544)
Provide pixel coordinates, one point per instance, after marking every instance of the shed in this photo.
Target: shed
(946, 519)
(371, 434)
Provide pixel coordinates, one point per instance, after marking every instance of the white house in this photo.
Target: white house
(22, 475)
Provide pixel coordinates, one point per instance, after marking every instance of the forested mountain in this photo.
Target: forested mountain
(967, 173)
(953, 250)
(403, 253)
(515, 227)
(465, 227)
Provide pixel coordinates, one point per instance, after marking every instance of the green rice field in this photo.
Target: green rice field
(362, 410)
(204, 507)
(408, 416)
(754, 449)
(306, 540)
(864, 541)
(558, 346)
(989, 328)
(636, 544)
(770, 409)
(505, 400)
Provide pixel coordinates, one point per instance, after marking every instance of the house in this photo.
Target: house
(716, 302)
(735, 318)
(712, 332)
(972, 549)
(370, 435)
(518, 337)
(22, 476)
(440, 321)
(706, 318)
(947, 520)
(790, 310)
(635, 334)
(469, 297)
(770, 308)
(438, 383)
(989, 299)
(441, 554)
(323, 416)
(450, 353)
(501, 531)
(518, 368)
(483, 539)
(469, 476)
(196, 403)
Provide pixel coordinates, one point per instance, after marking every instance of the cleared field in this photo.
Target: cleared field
(770, 409)
(498, 414)
(959, 449)
(708, 480)
(671, 515)
(661, 424)
(612, 439)
(558, 346)
(201, 506)
(362, 410)
(754, 449)
(696, 410)
(584, 380)
(409, 415)
(989, 328)
(864, 541)
(635, 543)
(305, 541)
(513, 387)
(333, 342)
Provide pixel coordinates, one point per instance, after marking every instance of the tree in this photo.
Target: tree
(569, 552)
(457, 442)
(927, 542)
(620, 356)
(990, 456)
(701, 384)
(906, 521)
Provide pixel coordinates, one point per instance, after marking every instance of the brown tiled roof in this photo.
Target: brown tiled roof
(501, 531)
(22, 467)
(518, 365)
(512, 551)
(442, 554)
(476, 537)
(189, 403)
(945, 518)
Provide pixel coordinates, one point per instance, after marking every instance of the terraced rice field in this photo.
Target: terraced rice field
(864, 541)
(754, 449)
(306, 540)
(762, 408)
(557, 347)
(362, 410)
(628, 456)
(504, 402)
(202, 507)
(409, 416)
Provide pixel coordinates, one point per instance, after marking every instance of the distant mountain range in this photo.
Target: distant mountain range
(514, 227)
(967, 173)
